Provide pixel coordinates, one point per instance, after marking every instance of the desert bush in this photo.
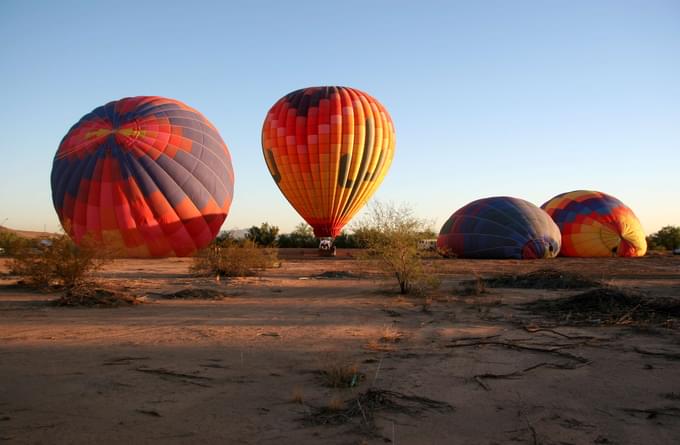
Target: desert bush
(391, 236)
(236, 260)
(59, 262)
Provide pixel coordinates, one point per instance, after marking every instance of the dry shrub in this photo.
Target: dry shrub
(235, 260)
(59, 262)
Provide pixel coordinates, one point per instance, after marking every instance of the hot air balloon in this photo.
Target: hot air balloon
(145, 176)
(328, 149)
(594, 224)
(500, 227)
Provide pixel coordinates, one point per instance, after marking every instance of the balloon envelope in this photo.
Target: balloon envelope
(328, 149)
(594, 224)
(147, 176)
(500, 227)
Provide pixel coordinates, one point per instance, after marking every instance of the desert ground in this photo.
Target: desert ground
(254, 361)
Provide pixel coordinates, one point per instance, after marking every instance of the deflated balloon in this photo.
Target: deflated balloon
(147, 176)
(594, 224)
(328, 149)
(500, 227)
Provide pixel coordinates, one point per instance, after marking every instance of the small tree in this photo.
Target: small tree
(349, 241)
(391, 235)
(302, 236)
(667, 237)
(265, 235)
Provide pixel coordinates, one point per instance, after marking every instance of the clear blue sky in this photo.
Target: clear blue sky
(520, 98)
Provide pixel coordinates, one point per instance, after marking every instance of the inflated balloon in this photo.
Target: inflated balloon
(147, 176)
(500, 227)
(594, 224)
(328, 149)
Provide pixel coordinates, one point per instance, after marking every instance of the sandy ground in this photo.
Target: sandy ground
(245, 369)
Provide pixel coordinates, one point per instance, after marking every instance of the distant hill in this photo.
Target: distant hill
(27, 233)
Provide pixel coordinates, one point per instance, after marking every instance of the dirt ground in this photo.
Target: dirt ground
(253, 366)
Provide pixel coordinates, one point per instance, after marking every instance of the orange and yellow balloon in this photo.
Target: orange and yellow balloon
(594, 224)
(328, 149)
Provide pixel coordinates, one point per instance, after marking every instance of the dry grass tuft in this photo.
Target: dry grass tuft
(336, 373)
(335, 404)
(297, 396)
(390, 335)
(364, 406)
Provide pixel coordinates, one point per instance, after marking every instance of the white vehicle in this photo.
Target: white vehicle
(676, 251)
(427, 244)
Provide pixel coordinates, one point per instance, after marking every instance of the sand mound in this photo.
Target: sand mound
(195, 294)
(336, 274)
(542, 279)
(96, 297)
(608, 305)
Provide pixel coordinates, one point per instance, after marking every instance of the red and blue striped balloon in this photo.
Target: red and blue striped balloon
(147, 176)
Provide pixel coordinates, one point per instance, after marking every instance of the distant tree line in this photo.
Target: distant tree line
(667, 238)
(11, 244)
(267, 235)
